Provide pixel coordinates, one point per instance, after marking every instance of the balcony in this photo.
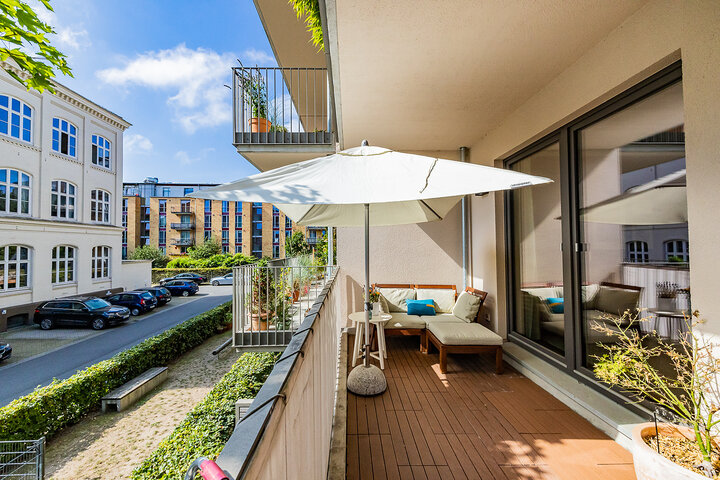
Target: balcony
(181, 211)
(183, 242)
(183, 226)
(284, 110)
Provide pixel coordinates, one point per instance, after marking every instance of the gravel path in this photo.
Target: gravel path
(109, 446)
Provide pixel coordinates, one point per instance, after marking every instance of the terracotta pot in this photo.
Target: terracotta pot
(259, 321)
(259, 125)
(296, 295)
(649, 464)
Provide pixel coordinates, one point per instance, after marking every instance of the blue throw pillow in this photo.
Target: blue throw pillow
(420, 307)
(557, 305)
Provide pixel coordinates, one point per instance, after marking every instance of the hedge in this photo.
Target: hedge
(158, 273)
(64, 402)
(207, 428)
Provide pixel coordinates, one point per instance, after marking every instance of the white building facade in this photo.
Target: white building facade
(61, 162)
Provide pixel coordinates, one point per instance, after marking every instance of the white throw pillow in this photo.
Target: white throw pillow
(396, 297)
(467, 306)
(444, 298)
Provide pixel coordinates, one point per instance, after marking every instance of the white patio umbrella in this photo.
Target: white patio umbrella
(660, 202)
(366, 186)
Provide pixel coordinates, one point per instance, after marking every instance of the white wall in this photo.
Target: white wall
(135, 274)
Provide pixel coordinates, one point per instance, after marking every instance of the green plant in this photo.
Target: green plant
(147, 252)
(209, 425)
(689, 392)
(296, 245)
(310, 9)
(48, 409)
(206, 249)
(255, 91)
(21, 31)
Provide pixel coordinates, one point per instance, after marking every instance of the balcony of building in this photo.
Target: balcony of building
(183, 226)
(181, 211)
(183, 242)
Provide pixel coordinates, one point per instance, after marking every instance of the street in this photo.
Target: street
(22, 378)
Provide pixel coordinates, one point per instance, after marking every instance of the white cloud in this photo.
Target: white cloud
(252, 57)
(186, 159)
(66, 37)
(195, 77)
(136, 144)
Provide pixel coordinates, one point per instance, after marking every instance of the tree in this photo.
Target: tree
(310, 9)
(206, 249)
(296, 245)
(321, 249)
(147, 252)
(21, 31)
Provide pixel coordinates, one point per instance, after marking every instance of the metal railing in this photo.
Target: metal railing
(273, 105)
(183, 242)
(182, 226)
(181, 211)
(22, 459)
(270, 302)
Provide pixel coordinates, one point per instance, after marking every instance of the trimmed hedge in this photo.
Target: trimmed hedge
(207, 428)
(158, 273)
(64, 402)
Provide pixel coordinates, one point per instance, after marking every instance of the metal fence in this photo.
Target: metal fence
(22, 459)
(270, 302)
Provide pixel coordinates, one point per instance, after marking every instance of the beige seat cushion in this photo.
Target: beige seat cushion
(616, 300)
(403, 320)
(466, 307)
(464, 334)
(442, 318)
(444, 298)
(396, 297)
(555, 327)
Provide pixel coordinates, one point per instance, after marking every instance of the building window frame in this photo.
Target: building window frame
(101, 151)
(637, 251)
(63, 265)
(677, 248)
(16, 123)
(63, 200)
(19, 182)
(100, 267)
(64, 137)
(14, 259)
(100, 206)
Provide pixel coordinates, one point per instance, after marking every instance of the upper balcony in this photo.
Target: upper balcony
(281, 110)
(183, 226)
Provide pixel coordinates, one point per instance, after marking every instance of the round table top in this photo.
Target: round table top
(360, 317)
(667, 313)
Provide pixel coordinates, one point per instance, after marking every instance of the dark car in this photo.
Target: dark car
(162, 294)
(79, 311)
(5, 351)
(182, 287)
(136, 302)
(191, 277)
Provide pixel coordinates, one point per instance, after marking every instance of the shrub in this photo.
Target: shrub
(148, 252)
(206, 249)
(64, 402)
(215, 261)
(207, 428)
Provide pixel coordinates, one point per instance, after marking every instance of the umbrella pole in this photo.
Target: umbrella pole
(366, 353)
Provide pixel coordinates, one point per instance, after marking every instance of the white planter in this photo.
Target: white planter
(376, 309)
(667, 304)
(650, 465)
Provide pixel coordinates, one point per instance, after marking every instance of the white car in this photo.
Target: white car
(224, 280)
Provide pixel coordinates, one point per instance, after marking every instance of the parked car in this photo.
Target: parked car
(224, 280)
(5, 351)
(137, 302)
(162, 294)
(192, 277)
(182, 287)
(79, 311)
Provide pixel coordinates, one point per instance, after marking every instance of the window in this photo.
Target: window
(14, 192)
(15, 118)
(238, 207)
(225, 221)
(208, 206)
(276, 251)
(64, 137)
(166, 191)
(238, 236)
(62, 199)
(238, 221)
(225, 237)
(162, 235)
(100, 206)
(63, 264)
(238, 248)
(637, 252)
(226, 249)
(225, 207)
(677, 251)
(208, 235)
(162, 249)
(162, 221)
(288, 223)
(100, 262)
(100, 151)
(162, 206)
(185, 206)
(187, 190)
(14, 267)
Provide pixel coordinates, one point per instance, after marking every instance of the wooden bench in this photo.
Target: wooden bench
(129, 393)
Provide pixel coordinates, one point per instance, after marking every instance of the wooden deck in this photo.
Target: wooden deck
(471, 424)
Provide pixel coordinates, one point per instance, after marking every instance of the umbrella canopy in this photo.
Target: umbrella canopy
(400, 188)
(660, 202)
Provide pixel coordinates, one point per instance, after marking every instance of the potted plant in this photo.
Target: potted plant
(666, 296)
(375, 301)
(687, 387)
(263, 291)
(256, 96)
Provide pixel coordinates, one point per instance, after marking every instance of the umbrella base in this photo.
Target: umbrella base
(366, 381)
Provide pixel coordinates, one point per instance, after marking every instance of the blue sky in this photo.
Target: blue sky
(161, 65)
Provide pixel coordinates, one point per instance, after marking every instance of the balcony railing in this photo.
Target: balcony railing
(183, 242)
(183, 226)
(181, 211)
(282, 106)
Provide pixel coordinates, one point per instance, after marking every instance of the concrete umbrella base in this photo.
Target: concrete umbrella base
(366, 381)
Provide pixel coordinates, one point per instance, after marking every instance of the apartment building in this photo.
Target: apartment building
(61, 165)
(158, 214)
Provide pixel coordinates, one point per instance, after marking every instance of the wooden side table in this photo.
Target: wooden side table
(358, 318)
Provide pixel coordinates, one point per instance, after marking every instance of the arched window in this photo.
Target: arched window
(62, 199)
(677, 251)
(100, 206)
(14, 267)
(100, 262)
(100, 151)
(64, 137)
(15, 118)
(14, 191)
(636, 251)
(63, 264)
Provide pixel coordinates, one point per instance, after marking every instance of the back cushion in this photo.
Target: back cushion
(444, 298)
(466, 307)
(589, 292)
(396, 297)
(616, 300)
(545, 292)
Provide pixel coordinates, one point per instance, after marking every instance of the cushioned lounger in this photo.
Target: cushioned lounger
(463, 338)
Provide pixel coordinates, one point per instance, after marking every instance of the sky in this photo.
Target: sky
(162, 66)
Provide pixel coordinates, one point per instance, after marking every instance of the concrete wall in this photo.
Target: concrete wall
(135, 274)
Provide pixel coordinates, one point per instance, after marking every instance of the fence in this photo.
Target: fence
(270, 302)
(22, 459)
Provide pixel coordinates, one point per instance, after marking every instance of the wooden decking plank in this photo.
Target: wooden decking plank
(378, 459)
(352, 467)
(452, 462)
(432, 473)
(397, 439)
(471, 469)
(426, 456)
(364, 457)
(352, 414)
(388, 451)
(408, 440)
